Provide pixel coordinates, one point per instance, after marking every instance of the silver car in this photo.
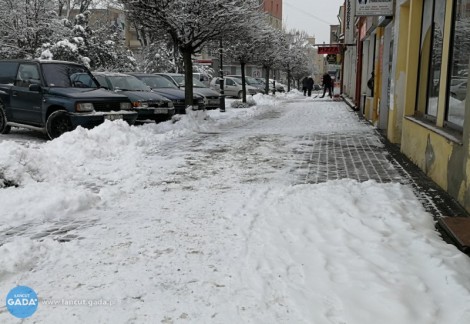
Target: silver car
(233, 87)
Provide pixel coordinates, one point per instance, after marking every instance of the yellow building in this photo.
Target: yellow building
(419, 55)
(428, 115)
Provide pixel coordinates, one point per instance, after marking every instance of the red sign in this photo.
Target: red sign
(328, 50)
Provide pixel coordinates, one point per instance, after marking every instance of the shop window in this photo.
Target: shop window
(432, 33)
(457, 85)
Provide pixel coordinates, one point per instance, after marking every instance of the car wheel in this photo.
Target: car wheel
(58, 123)
(240, 95)
(4, 128)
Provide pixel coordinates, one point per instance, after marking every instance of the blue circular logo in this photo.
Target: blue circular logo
(22, 302)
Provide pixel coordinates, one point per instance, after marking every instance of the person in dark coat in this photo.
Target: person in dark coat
(310, 84)
(304, 85)
(327, 85)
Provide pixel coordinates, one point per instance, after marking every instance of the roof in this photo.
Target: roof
(40, 61)
(111, 73)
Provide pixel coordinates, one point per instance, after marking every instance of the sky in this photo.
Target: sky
(210, 218)
(312, 16)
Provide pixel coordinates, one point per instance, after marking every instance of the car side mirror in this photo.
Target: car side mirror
(35, 87)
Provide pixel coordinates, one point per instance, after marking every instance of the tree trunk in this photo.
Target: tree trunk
(242, 66)
(266, 68)
(288, 80)
(188, 76)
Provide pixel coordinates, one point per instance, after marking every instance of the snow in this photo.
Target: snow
(202, 221)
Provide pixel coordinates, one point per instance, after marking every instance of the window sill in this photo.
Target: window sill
(451, 135)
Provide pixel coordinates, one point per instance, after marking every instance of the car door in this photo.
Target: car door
(26, 105)
(230, 88)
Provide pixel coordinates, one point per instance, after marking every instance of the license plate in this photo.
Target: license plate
(160, 111)
(214, 101)
(112, 117)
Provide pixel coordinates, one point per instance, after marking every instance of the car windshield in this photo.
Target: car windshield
(67, 76)
(237, 80)
(252, 81)
(196, 82)
(249, 80)
(127, 83)
(156, 81)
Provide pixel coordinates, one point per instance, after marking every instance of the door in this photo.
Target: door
(26, 105)
(231, 88)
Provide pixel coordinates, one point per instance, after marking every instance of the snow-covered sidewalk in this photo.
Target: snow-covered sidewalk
(204, 221)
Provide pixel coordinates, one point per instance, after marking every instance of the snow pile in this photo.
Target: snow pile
(203, 221)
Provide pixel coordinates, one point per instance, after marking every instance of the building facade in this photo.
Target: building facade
(273, 9)
(419, 56)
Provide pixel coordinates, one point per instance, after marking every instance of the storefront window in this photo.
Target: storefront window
(432, 31)
(457, 86)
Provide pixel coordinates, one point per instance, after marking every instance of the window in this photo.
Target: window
(430, 60)
(457, 85)
(27, 74)
(8, 72)
(67, 75)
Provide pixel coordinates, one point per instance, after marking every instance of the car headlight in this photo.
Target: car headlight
(125, 105)
(84, 107)
(139, 104)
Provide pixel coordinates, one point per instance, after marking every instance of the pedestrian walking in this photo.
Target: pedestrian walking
(310, 84)
(304, 85)
(327, 85)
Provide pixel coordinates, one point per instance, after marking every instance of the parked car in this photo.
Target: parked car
(169, 90)
(316, 87)
(279, 87)
(458, 88)
(251, 82)
(147, 104)
(204, 78)
(233, 87)
(55, 97)
(211, 97)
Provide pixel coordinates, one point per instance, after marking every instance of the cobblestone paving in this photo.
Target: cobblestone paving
(344, 156)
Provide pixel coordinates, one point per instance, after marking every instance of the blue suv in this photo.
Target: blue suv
(55, 97)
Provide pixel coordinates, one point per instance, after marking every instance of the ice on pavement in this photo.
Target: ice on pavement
(203, 221)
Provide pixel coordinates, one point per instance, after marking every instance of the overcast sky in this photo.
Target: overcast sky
(312, 16)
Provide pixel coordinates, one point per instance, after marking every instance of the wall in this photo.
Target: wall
(443, 154)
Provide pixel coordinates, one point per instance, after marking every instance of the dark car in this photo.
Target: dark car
(55, 97)
(169, 90)
(211, 97)
(148, 104)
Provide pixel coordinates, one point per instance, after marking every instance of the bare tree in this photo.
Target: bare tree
(246, 47)
(191, 24)
(295, 57)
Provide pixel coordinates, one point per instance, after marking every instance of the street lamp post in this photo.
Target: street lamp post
(222, 96)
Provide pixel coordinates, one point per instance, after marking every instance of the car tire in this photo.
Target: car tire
(4, 128)
(240, 95)
(58, 123)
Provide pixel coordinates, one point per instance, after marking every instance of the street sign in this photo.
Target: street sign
(328, 50)
(256, 74)
(331, 58)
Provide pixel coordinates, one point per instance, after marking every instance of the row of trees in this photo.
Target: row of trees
(170, 33)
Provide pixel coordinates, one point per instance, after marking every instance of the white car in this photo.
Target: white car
(458, 88)
(233, 87)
